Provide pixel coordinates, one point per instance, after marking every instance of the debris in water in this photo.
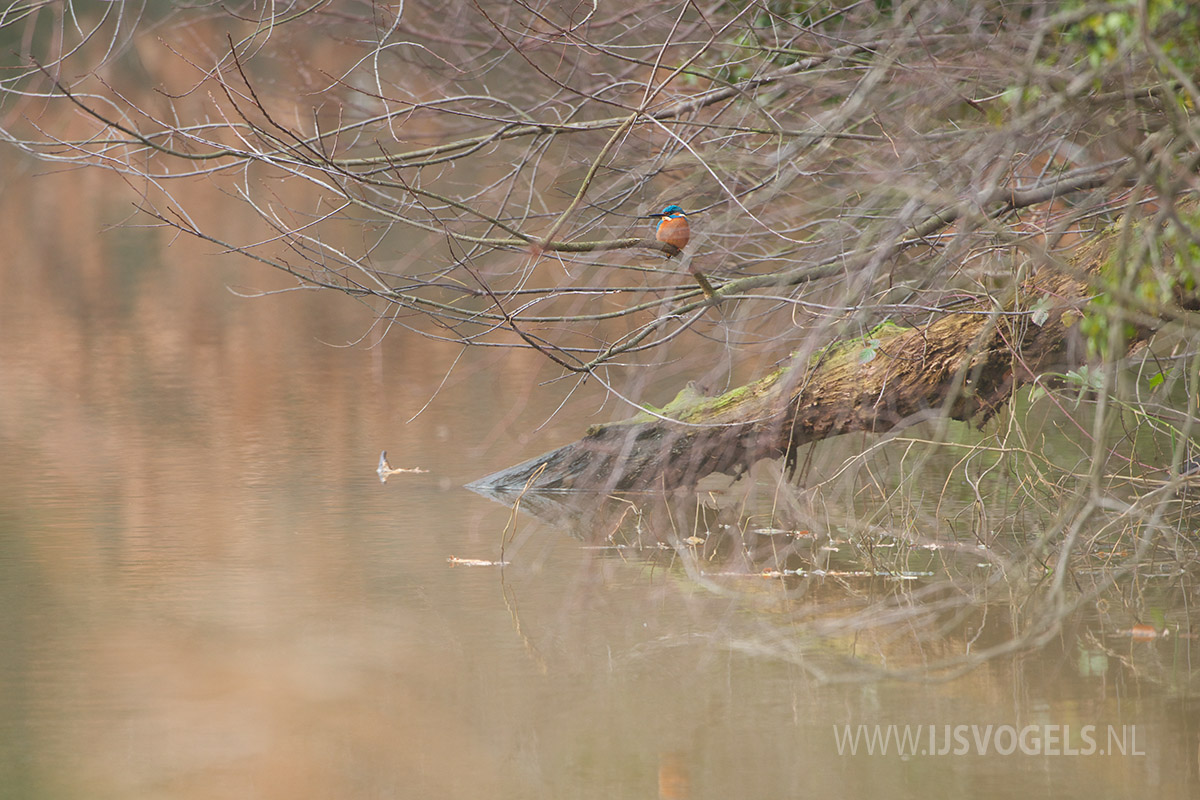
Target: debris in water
(1144, 632)
(455, 561)
(771, 572)
(782, 532)
(385, 471)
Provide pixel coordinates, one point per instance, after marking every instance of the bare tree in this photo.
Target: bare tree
(481, 174)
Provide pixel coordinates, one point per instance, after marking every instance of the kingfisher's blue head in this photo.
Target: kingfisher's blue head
(672, 211)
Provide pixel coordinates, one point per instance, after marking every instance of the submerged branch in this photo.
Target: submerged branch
(960, 366)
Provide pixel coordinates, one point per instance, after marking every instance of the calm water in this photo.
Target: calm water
(207, 592)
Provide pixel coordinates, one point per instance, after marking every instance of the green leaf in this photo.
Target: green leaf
(868, 353)
(1041, 312)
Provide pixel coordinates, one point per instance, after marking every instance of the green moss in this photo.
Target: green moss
(858, 348)
(689, 404)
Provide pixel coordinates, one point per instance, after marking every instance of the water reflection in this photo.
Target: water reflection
(207, 591)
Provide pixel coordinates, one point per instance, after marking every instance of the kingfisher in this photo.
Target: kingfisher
(673, 229)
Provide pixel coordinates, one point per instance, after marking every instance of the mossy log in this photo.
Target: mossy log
(963, 365)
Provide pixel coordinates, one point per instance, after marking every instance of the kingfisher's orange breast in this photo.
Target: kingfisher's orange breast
(674, 231)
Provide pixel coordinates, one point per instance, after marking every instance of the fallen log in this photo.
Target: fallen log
(963, 365)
